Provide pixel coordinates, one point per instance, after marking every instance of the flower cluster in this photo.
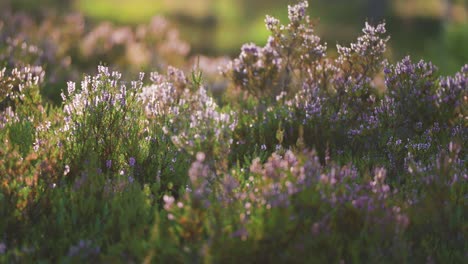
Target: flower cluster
(269, 70)
(256, 69)
(16, 84)
(201, 125)
(98, 112)
(452, 94)
(288, 186)
(190, 115)
(298, 12)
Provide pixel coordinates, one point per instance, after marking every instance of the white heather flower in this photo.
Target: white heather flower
(271, 23)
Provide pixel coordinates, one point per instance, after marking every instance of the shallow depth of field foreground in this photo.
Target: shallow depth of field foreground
(293, 152)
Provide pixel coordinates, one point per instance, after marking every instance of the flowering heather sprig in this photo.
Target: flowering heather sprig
(298, 12)
(378, 184)
(452, 95)
(370, 47)
(190, 117)
(103, 90)
(272, 23)
(413, 91)
(448, 169)
(199, 125)
(7, 116)
(358, 64)
(201, 178)
(268, 71)
(177, 77)
(308, 102)
(159, 99)
(256, 69)
(131, 161)
(103, 116)
(370, 44)
(13, 83)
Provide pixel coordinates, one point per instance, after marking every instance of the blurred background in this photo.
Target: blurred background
(436, 30)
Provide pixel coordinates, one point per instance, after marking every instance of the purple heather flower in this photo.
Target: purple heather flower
(297, 12)
(2, 248)
(109, 164)
(250, 49)
(131, 161)
(271, 23)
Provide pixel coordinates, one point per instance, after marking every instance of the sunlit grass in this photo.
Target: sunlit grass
(123, 11)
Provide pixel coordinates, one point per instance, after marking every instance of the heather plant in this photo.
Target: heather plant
(204, 127)
(331, 99)
(413, 89)
(280, 208)
(451, 96)
(438, 189)
(291, 49)
(24, 167)
(100, 118)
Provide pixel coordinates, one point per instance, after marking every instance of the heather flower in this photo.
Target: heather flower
(378, 184)
(158, 99)
(3, 248)
(201, 178)
(206, 128)
(104, 112)
(18, 83)
(177, 77)
(267, 71)
(255, 69)
(131, 161)
(402, 220)
(192, 117)
(168, 202)
(452, 92)
(297, 12)
(272, 23)
(67, 170)
(412, 91)
(84, 250)
(358, 64)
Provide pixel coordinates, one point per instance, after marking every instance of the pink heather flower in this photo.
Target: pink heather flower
(200, 156)
(297, 12)
(168, 201)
